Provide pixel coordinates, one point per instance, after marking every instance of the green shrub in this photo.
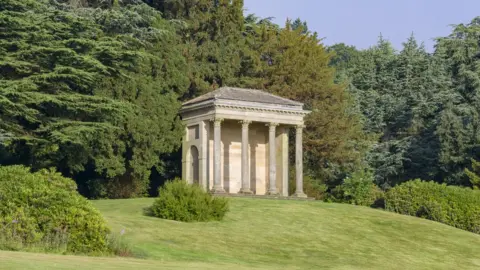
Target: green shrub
(177, 200)
(358, 189)
(454, 206)
(474, 174)
(43, 210)
(313, 188)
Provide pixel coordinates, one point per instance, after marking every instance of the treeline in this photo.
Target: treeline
(93, 88)
(425, 107)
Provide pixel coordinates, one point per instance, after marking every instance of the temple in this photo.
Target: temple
(236, 141)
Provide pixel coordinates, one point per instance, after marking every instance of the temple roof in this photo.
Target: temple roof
(241, 94)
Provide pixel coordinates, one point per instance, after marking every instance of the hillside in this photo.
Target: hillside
(272, 234)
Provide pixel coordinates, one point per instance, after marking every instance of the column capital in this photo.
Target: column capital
(217, 121)
(245, 123)
(272, 126)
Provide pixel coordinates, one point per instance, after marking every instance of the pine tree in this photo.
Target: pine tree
(401, 95)
(459, 127)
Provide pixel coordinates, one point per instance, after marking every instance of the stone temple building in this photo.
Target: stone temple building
(236, 141)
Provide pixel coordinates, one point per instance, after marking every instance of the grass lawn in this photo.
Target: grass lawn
(274, 234)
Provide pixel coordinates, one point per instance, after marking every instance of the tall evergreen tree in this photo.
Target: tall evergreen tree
(91, 91)
(294, 64)
(459, 128)
(401, 95)
(212, 34)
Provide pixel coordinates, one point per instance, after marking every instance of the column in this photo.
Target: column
(299, 162)
(217, 180)
(203, 159)
(185, 158)
(272, 190)
(245, 161)
(284, 156)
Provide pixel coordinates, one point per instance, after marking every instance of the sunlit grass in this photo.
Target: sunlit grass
(275, 234)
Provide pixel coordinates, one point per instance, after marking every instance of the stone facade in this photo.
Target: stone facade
(227, 147)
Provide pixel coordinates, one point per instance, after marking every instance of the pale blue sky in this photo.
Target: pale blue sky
(360, 22)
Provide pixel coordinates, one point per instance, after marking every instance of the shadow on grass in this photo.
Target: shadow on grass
(147, 211)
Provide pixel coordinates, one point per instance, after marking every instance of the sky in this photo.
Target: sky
(360, 22)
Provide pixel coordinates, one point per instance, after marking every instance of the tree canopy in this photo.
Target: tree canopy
(91, 91)
(93, 88)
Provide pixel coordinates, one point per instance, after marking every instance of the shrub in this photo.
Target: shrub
(454, 206)
(358, 189)
(44, 210)
(177, 200)
(474, 174)
(313, 188)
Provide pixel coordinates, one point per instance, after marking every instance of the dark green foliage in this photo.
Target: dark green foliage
(93, 88)
(402, 96)
(313, 188)
(213, 43)
(358, 189)
(43, 209)
(294, 64)
(454, 206)
(93, 92)
(474, 174)
(180, 201)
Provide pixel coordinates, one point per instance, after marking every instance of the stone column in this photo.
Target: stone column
(203, 159)
(272, 190)
(217, 180)
(185, 158)
(284, 155)
(245, 168)
(299, 162)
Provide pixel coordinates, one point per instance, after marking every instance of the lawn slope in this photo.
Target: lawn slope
(274, 234)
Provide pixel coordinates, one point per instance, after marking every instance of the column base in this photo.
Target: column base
(217, 190)
(300, 195)
(245, 191)
(272, 193)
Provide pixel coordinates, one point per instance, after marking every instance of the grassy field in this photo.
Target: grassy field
(268, 234)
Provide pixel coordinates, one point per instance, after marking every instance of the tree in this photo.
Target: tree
(93, 92)
(212, 36)
(459, 127)
(294, 65)
(401, 95)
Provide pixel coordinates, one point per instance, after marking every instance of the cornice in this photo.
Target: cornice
(244, 106)
(259, 109)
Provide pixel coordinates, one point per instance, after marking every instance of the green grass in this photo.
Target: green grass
(273, 234)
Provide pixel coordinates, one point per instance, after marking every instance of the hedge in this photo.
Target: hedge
(455, 206)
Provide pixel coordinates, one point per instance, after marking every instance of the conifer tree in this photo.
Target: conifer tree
(295, 65)
(93, 92)
(212, 33)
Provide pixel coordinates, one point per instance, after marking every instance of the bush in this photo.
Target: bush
(313, 188)
(358, 189)
(454, 206)
(43, 210)
(177, 200)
